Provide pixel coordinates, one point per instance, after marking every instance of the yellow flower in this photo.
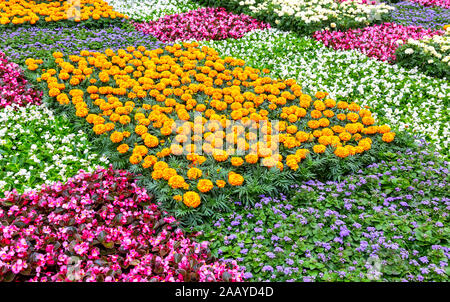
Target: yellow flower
(191, 199)
(194, 173)
(235, 179)
(204, 185)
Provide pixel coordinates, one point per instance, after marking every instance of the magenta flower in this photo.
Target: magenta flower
(14, 87)
(441, 3)
(377, 41)
(99, 227)
(201, 24)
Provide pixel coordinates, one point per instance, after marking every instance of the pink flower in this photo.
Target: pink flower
(133, 241)
(377, 41)
(14, 88)
(441, 3)
(201, 24)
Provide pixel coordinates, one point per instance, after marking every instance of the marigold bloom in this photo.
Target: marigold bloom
(204, 185)
(191, 199)
(235, 179)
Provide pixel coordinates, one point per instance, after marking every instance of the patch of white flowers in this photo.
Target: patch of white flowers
(151, 9)
(313, 11)
(406, 99)
(437, 47)
(38, 148)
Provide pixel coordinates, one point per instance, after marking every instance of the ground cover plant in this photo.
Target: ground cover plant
(411, 13)
(38, 147)
(22, 43)
(147, 10)
(388, 222)
(440, 3)
(431, 55)
(99, 227)
(201, 24)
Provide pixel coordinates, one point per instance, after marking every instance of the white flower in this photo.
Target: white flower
(409, 51)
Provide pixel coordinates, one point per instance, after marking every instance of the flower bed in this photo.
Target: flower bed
(99, 227)
(407, 99)
(146, 10)
(440, 3)
(14, 88)
(170, 120)
(305, 16)
(388, 222)
(431, 55)
(377, 41)
(91, 12)
(37, 147)
(22, 43)
(409, 13)
(201, 24)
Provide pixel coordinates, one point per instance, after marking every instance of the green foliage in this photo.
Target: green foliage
(431, 56)
(387, 222)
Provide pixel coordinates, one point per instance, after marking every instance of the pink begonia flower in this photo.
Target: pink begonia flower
(100, 227)
(377, 41)
(201, 24)
(441, 3)
(14, 88)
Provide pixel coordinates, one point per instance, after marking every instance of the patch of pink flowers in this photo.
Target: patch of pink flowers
(14, 88)
(441, 3)
(369, 2)
(202, 24)
(99, 227)
(377, 41)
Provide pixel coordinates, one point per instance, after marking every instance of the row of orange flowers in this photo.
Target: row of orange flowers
(30, 12)
(138, 97)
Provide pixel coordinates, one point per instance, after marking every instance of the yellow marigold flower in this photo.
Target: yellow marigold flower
(194, 173)
(237, 161)
(384, 129)
(388, 137)
(140, 129)
(178, 198)
(368, 120)
(235, 179)
(176, 181)
(191, 199)
(221, 183)
(319, 148)
(116, 137)
(204, 185)
(341, 152)
(135, 159)
(123, 148)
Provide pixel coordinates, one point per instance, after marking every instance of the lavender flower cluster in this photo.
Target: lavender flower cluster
(410, 13)
(386, 223)
(21, 43)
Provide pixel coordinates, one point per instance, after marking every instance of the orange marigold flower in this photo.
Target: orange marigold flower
(388, 137)
(116, 137)
(176, 181)
(235, 179)
(237, 161)
(123, 148)
(319, 148)
(204, 185)
(341, 152)
(191, 199)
